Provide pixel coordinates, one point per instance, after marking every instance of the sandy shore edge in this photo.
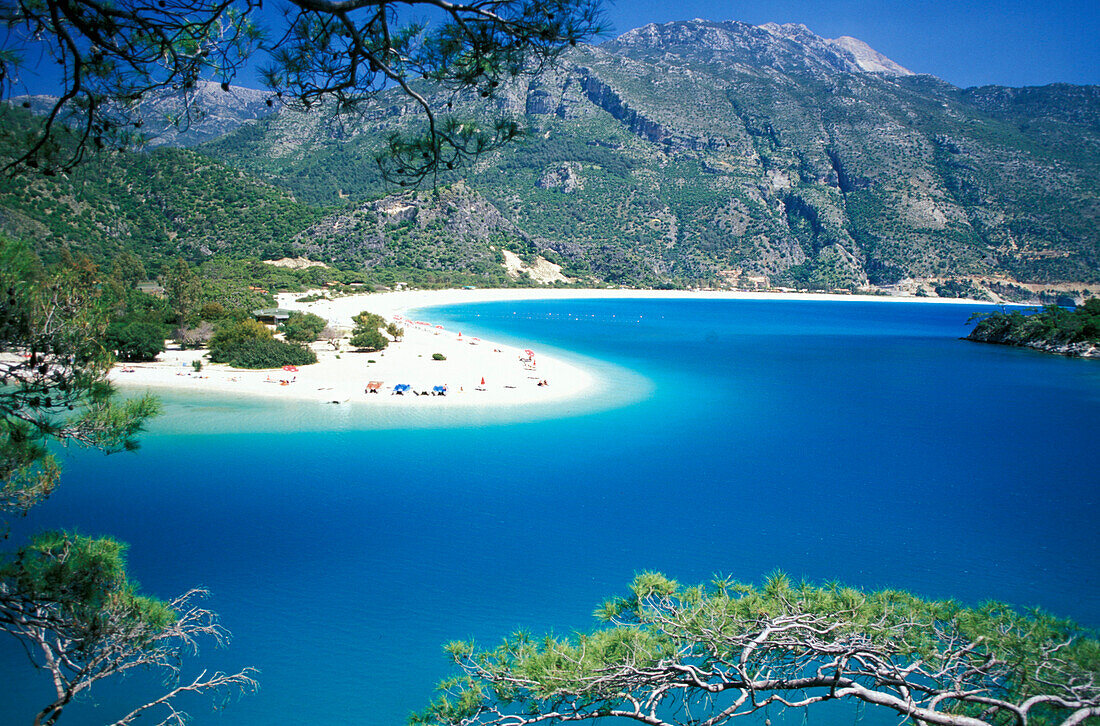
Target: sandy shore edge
(341, 376)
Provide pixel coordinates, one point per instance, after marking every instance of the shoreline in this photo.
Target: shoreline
(477, 373)
(388, 304)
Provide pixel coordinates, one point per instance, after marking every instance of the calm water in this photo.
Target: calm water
(854, 441)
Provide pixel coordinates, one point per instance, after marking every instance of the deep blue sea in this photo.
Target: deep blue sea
(861, 442)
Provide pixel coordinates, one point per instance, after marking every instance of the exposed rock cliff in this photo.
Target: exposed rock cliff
(678, 151)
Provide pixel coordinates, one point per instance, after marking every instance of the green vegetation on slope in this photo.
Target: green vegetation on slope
(1053, 328)
(157, 205)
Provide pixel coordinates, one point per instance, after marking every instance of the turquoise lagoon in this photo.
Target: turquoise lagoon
(856, 441)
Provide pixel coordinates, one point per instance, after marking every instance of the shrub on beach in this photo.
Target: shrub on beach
(136, 341)
(303, 327)
(367, 334)
(438, 356)
(229, 335)
(249, 344)
(369, 340)
(269, 353)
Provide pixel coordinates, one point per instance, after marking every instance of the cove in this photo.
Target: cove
(856, 441)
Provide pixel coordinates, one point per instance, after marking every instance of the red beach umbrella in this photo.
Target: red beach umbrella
(529, 352)
(483, 380)
(292, 369)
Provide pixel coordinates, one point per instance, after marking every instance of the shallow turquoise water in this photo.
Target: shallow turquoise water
(855, 441)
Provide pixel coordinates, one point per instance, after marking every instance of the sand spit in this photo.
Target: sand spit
(475, 372)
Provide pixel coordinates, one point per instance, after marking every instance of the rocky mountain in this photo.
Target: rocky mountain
(453, 228)
(721, 154)
(731, 154)
(214, 112)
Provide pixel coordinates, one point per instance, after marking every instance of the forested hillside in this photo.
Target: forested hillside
(687, 154)
(158, 205)
(718, 152)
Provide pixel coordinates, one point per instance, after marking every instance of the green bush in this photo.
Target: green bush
(269, 353)
(370, 339)
(213, 311)
(1051, 325)
(438, 356)
(366, 335)
(231, 335)
(136, 341)
(303, 327)
(367, 319)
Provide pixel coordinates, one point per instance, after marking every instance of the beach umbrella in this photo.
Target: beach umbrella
(530, 353)
(292, 369)
(440, 327)
(483, 380)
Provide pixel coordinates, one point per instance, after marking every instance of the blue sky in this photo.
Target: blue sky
(1011, 43)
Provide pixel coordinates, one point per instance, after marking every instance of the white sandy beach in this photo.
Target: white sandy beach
(342, 376)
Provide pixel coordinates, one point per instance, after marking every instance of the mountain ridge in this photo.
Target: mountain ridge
(725, 154)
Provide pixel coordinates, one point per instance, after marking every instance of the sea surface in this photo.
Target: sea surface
(853, 441)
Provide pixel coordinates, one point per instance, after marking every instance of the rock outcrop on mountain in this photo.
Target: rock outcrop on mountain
(704, 153)
(217, 112)
(185, 119)
(452, 228)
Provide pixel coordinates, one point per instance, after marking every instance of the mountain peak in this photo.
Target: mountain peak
(787, 47)
(868, 58)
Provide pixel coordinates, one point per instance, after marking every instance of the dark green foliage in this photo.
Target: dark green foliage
(52, 324)
(213, 312)
(317, 176)
(303, 327)
(136, 341)
(152, 206)
(249, 344)
(183, 289)
(139, 322)
(438, 356)
(233, 333)
(367, 335)
(665, 654)
(267, 353)
(85, 578)
(1050, 328)
(961, 289)
(370, 340)
(66, 597)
